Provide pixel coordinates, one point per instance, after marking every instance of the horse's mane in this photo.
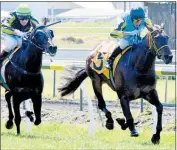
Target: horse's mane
(34, 31)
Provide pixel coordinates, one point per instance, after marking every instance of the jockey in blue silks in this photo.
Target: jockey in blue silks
(128, 31)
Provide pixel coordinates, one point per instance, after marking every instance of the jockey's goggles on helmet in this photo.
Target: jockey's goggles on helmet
(23, 17)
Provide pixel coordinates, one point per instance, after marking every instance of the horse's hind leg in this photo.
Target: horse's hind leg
(125, 104)
(152, 97)
(97, 87)
(9, 123)
(37, 104)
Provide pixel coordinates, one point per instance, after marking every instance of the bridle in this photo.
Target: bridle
(32, 36)
(152, 45)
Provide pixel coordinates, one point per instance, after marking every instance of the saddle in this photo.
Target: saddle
(100, 56)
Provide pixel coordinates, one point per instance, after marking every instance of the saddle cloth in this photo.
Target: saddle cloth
(101, 54)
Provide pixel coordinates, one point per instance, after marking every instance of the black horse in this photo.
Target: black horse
(133, 80)
(23, 74)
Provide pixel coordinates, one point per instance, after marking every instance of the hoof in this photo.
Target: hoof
(9, 124)
(136, 123)
(155, 139)
(31, 119)
(18, 134)
(29, 115)
(110, 124)
(134, 133)
(121, 122)
(37, 122)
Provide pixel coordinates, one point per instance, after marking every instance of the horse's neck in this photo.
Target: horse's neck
(29, 58)
(146, 58)
(34, 60)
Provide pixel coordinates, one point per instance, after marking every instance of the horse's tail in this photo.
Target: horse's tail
(72, 83)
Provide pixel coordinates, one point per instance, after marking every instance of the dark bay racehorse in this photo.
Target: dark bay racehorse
(23, 74)
(133, 80)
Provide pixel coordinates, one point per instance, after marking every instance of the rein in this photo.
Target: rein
(21, 70)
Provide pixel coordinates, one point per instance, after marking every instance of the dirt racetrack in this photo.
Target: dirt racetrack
(68, 111)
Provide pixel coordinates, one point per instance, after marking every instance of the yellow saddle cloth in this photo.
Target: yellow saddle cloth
(101, 54)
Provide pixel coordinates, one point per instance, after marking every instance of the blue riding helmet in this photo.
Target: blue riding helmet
(137, 13)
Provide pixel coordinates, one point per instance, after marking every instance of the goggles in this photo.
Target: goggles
(137, 20)
(23, 17)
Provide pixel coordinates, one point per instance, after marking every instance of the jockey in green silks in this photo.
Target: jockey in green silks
(20, 20)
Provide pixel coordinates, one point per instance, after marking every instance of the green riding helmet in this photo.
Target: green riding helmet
(23, 10)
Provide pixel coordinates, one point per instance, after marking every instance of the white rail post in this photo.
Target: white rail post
(166, 88)
(26, 107)
(154, 118)
(90, 110)
(98, 111)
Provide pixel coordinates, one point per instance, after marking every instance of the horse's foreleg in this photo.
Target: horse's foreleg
(16, 106)
(37, 104)
(125, 104)
(153, 98)
(97, 87)
(9, 123)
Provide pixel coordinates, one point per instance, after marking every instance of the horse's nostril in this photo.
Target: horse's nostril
(170, 57)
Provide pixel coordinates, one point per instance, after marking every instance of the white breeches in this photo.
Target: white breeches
(10, 41)
(124, 43)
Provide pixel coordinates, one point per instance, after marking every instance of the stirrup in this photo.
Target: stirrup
(108, 65)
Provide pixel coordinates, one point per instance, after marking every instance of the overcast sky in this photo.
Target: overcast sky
(96, 5)
(39, 9)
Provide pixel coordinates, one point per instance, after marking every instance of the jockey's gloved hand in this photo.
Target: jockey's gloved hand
(23, 34)
(28, 34)
(20, 33)
(134, 32)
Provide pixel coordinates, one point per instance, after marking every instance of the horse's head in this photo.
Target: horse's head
(158, 41)
(42, 38)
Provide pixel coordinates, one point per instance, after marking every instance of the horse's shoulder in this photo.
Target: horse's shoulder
(141, 46)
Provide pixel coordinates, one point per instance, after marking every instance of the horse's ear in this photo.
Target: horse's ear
(162, 26)
(45, 20)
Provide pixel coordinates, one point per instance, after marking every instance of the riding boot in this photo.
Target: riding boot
(110, 61)
(3, 55)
